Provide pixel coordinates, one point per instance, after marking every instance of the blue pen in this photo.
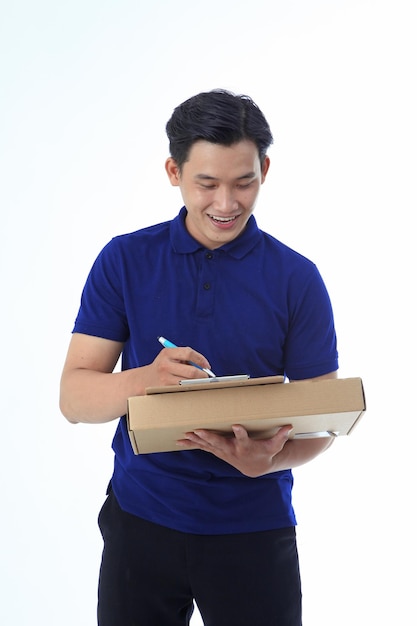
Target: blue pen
(168, 344)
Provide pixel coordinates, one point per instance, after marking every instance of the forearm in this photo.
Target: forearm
(96, 397)
(297, 452)
(257, 457)
(92, 392)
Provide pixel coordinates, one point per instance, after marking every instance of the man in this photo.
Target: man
(215, 524)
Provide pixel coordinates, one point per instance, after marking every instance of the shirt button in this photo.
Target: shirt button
(209, 255)
(207, 286)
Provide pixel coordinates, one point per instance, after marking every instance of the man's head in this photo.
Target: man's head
(219, 117)
(218, 144)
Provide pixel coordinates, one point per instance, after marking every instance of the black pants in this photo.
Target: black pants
(150, 575)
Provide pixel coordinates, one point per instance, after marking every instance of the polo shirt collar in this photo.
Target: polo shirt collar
(183, 243)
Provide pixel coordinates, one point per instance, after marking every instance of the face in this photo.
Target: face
(219, 186)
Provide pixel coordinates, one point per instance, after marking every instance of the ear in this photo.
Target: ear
(173, 171)
(265, 168)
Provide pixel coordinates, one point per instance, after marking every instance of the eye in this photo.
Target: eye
(244, 185)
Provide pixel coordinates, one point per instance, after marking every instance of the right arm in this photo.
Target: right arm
(91, 392)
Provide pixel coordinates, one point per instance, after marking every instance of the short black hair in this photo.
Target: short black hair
(218, 116)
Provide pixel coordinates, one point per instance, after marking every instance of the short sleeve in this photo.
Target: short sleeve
(311, 345)
(102, 310)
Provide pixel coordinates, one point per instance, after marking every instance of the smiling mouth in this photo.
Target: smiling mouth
(223, 220)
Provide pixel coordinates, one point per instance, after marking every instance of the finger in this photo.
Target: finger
(277, 442)
(170, 362)
(198, 358)
(207, 440)
(207, 437)
(240, 432)
(194, 441)
(284, 432)
(184, 443)
(185, 354)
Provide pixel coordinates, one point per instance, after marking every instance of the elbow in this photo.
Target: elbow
(71, 420)
(67, 412)
(66, 400)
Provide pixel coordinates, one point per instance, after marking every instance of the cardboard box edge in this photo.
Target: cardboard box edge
(136, 446)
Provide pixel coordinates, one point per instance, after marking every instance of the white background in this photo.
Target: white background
(86, 88)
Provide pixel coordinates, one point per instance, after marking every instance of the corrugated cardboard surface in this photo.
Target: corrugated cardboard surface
(162, 416)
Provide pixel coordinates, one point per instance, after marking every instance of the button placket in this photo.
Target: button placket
(205, 299)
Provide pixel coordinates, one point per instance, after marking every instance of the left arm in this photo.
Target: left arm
(255, 457)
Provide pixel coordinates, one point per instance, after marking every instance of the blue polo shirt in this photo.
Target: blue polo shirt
(251, 306)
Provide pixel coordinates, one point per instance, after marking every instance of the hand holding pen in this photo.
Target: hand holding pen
(168, 344)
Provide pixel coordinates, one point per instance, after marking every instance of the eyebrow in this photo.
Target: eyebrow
(208, 177)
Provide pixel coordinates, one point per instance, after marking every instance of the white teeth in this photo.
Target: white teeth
(222, 219)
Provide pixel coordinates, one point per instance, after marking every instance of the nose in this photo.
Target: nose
(225, 200)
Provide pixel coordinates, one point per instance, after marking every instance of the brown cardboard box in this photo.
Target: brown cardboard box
(161, 417)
